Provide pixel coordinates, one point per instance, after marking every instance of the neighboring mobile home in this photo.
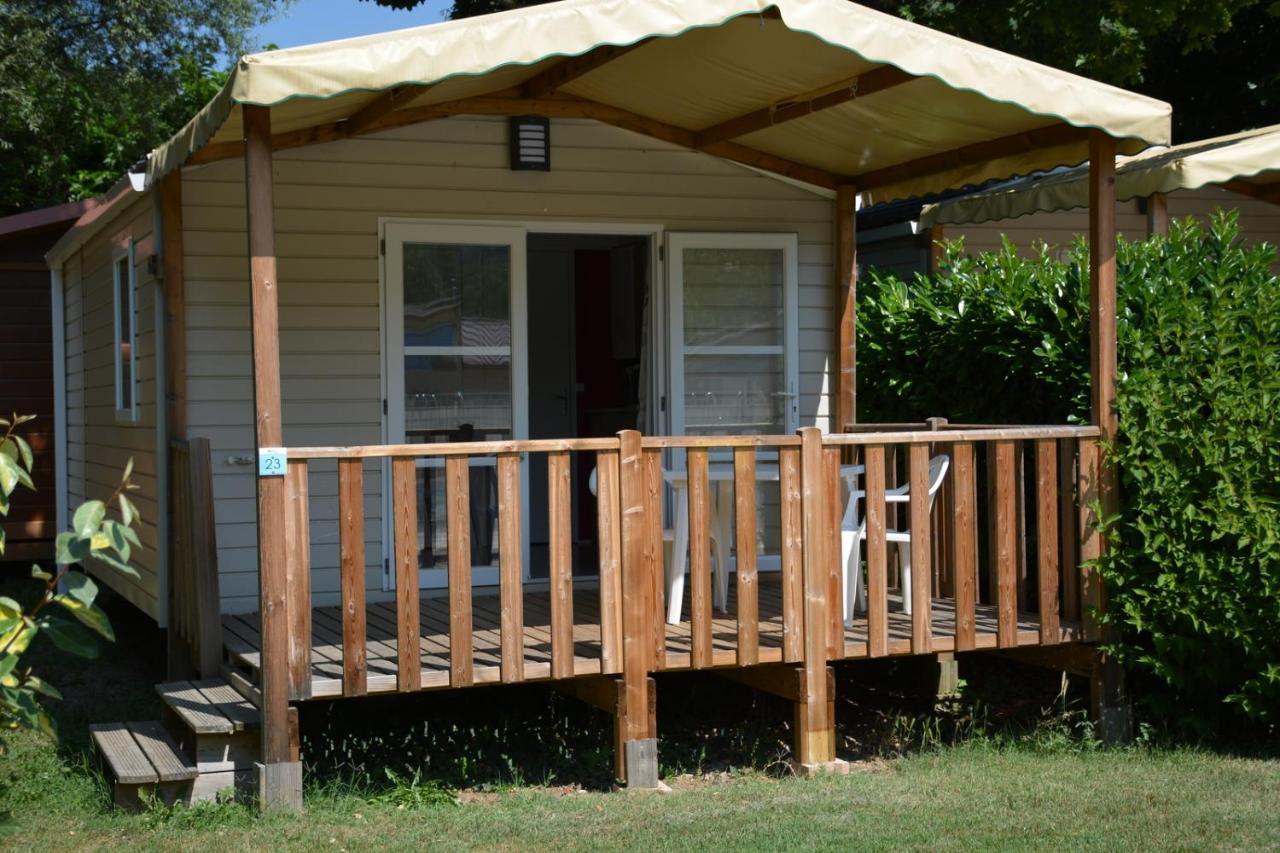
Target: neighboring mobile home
(556, 286)
(27, 366)
(1240, 171)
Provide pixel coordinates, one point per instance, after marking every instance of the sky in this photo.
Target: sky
(310, 21)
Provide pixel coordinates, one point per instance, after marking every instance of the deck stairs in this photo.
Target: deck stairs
(205, 743)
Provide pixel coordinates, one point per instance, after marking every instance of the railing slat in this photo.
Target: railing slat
(1090, 538)
(1067, 532)
(835, 581)
(792, 555)
(965, 544)
(744, 498)
(921, 573)
(1005, 511)
(993, 535)
(1020, 542)
(877, 553)
(351, 560)
(1047, 537)
(699, 558)
(457, 486)
(609, 532)
(560, 546)
(653, 555)
(297, 533)
(408, 632)
(510, 569)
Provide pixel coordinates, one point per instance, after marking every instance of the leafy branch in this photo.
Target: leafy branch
(67, 591)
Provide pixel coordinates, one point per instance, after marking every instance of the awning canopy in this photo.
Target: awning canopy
(1247, 162)
(823, 91)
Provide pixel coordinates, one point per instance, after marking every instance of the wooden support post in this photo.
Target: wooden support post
(279, 776)
(817, 724)
(175, 305)
(944, 676)
(639, 741)
(791, 683)
(846, 298)
(1157, 215)
(816, 731)
(610, 695)
(1113, 711)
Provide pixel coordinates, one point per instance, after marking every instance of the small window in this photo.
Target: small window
(122, 268)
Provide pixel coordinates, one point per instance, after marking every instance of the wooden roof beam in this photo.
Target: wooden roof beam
(1014, 143)
(505, 103)
(606, 114)
(564, 72)
(1262, 192)
(802, 105)
(388, 102)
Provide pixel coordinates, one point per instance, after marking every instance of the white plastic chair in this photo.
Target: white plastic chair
(854, 531)
(674, 580)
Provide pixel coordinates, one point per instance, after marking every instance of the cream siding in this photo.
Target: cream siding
(98, 447)
(328, 201)
(1259, 220)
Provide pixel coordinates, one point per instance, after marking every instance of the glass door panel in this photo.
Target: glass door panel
(455, 331)
(734, 367)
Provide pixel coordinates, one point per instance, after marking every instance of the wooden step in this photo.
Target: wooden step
(209, 707)
(142, 756)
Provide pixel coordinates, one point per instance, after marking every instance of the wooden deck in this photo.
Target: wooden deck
(242, 638)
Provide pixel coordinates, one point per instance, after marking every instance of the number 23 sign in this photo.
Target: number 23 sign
(271, 461)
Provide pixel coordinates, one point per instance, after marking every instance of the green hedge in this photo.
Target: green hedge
(1194, 577)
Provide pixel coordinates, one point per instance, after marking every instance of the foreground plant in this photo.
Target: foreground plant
(66, 611)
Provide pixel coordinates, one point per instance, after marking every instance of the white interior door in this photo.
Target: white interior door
(456, 368)
(734, 336)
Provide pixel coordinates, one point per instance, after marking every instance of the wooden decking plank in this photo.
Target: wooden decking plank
(123, 755)
(434, 662)
(230, 703)
(165, 756)
(198, 713)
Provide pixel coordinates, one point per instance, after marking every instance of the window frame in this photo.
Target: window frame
(125, 414)
(789, 350)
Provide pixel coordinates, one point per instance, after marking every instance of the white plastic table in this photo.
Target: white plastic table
(720, 475)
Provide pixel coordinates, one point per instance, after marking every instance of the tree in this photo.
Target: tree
(87, 87)
(1214, 60)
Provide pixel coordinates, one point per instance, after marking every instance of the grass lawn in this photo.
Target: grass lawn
(532, 768)
(957, 798)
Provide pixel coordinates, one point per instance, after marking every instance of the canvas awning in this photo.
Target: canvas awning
(1247, 162)
(823, 91)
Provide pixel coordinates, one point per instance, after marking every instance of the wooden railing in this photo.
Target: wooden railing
(194, 630)
(1014, 509)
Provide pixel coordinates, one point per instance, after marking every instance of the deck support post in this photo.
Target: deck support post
(609, 694)
(1111, 708)
(638, 735)
(815, 725)
(789, 682)
(846, 298)
(944, 675)
(280, 774)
